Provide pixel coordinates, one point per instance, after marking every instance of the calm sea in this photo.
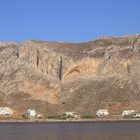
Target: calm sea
(122, 130)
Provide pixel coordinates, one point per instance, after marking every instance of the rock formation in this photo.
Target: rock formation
(54, 77)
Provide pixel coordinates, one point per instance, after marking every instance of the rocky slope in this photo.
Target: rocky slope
(54, 77)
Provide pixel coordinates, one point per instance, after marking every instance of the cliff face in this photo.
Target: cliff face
(54, 77)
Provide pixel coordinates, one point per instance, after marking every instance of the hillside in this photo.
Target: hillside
(54, 77)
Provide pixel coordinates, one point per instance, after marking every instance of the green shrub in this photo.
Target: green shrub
(24, 116)
(58, 117)
(87, 117)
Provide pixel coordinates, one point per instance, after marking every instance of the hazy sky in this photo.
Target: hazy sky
(67, 20)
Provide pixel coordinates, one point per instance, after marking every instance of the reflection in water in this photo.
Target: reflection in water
(126, 130)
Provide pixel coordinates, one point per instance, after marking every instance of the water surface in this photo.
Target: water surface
(121, 130)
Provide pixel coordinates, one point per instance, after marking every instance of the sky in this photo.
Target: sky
(67, 20)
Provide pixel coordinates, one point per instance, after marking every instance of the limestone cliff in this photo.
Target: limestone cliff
(54, 77)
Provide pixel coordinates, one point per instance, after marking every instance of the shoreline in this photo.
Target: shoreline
(51, 120)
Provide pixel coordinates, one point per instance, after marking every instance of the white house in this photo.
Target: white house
(69, 113)
(6, 111)
(137, 115)
(128, 112)
(102, 112)
(31, 112)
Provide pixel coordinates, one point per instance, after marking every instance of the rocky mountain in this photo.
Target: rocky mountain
(54, 77)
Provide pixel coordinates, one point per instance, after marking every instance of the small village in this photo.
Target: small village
(101, 114)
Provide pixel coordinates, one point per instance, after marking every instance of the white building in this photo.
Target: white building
(69, 113)
(102, 112)
(128, 112)
(6, 111)
(31, 112)
(137, 115)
